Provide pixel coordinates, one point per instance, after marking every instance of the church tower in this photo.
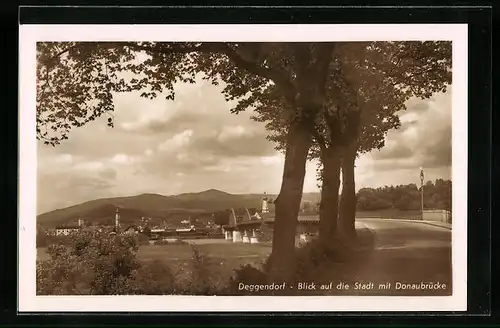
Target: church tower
(117, 220)
(265, 208)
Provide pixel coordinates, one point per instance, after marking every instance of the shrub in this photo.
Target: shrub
(247, 275)
(142, 239)
(151, 278)
(200, 276)
(312, 255)
(317, 253)
(92, 263)
(199, 281)
(265, 233)
(161, 242)
(59, 240)
(62, 275)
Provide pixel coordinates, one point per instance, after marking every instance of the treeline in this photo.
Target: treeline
(437, 195)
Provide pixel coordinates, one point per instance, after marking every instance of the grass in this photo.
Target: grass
(221, 259)
(223, 252)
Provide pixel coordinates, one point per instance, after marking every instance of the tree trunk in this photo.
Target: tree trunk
(287, 205)
(347, 212)
(328, 213)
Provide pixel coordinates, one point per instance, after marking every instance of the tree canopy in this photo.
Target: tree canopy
(222, 217)
(437, 195)
(77, 80)
(373, 79)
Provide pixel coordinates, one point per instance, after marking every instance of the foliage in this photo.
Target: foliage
(44, 240)
(142, 239)
(146, 231)
(308, 260)
(371, 80)
(100, 264)
(222, 217)
(200, 282)
(151, 278)
(247, 275)
(77, 80)
(313, 254)
(107, 265)
(93, 263)
(437, 195)
(366, 85)
(265, 233)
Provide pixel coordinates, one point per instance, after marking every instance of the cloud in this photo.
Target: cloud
(194, 143)
(233, 132)
(173, 122)
(416, 105)
(64, 158)
(235, 144)
(424, 139)
(121, 159)
(394, 150)
(276, 159)
(108, 174)
(89, 166)
(176, 142)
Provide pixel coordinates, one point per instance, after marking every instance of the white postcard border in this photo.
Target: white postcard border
(28, 301)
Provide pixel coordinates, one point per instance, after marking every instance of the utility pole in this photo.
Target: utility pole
(422, 191)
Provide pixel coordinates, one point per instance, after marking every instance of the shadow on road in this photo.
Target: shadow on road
(405, 260)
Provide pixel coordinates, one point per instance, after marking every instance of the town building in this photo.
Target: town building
(132, 229)
(65, 230)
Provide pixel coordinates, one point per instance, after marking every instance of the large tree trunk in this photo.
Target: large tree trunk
(347, 212)
(329, 195)
(287, 205)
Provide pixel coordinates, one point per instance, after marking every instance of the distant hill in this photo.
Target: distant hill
(171, 209)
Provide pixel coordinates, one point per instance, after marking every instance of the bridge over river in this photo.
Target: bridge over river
(244, 227)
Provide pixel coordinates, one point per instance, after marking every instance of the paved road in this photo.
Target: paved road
(406, 254)
(408, 235)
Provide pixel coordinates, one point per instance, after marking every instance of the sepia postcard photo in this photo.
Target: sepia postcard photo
(277, 167)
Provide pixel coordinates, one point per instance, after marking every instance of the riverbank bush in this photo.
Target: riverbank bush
(92, 263)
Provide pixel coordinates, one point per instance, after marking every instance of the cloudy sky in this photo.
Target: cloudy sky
(194, 143)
